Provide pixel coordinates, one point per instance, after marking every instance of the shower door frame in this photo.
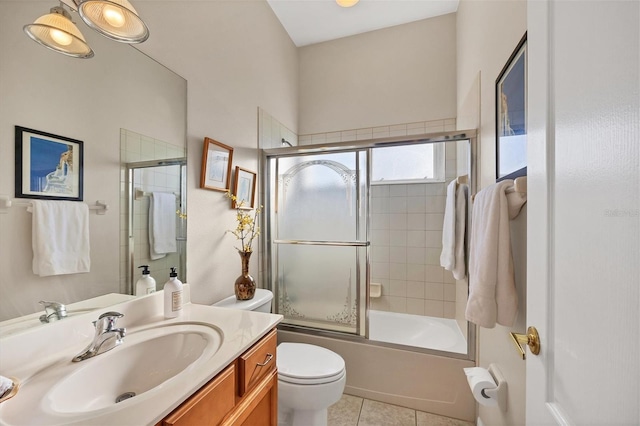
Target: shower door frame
(267, 240)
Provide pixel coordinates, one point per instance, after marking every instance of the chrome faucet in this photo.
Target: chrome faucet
(53, 311)
(106, 338)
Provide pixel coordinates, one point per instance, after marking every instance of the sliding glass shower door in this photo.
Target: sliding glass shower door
(318, 239)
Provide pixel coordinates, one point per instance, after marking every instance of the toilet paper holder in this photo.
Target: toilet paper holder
(500, 392)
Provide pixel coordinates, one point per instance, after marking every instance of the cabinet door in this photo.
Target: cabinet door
(209, 405)
(259, 407)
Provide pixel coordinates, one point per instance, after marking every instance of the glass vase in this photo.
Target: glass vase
(245, 286)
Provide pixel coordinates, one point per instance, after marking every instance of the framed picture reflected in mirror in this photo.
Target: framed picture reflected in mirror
(511, 115)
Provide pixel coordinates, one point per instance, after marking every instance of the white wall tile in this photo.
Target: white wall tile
(416, 289)
(398, 238)
(434, 308)
(417, 204)
(416, 255)
(398, 190)
(398, 304)
(416, 221)
(379, 237)
(380, 254)
(417, 239)
(415, 272)
(398, 288)
(415, 306)
(397, 254)
(398, 271)
(417, 190)
(434, 273)
(397, 204)
(434, 221)
(379, 191)
(380, 221)
(398, 221)
(433, 239)
(434, 291)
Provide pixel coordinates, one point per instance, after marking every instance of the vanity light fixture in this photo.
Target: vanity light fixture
(114, 19)
(347, 3)
(57, 32)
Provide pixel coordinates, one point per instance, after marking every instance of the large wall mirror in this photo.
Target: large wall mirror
(96, 101)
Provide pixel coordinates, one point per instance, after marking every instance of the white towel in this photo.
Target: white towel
(459, 270)
(60, 237)
(162, 224)
(448, 254)
(492, 292)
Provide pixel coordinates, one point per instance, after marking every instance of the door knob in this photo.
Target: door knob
(532, 339)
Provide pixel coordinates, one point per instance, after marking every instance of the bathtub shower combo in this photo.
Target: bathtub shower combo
(339, 217)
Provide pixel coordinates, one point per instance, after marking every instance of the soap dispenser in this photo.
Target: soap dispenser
(146, 284)
(172, 295)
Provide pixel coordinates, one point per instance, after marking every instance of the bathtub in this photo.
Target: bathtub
(417, 330)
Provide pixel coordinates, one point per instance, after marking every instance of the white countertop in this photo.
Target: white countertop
(27, 355)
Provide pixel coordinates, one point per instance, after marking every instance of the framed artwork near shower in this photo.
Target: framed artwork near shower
(47, 166)
(244, 188)
(511, 115)
(215, 173)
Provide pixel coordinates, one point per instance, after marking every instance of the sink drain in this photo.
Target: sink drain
(125, 396)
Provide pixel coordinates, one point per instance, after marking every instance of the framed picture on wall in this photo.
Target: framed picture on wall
(47, 166)
(244, 188)
(511, 115)
(215, 173)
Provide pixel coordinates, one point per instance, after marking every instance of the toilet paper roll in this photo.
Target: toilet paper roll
(479, 380)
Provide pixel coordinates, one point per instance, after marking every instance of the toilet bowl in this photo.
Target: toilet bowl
(310, 378)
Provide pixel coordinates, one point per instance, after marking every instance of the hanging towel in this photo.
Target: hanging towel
(162, 224)
(60, 237)
(459, 269)
(448, 254)
(492, 292)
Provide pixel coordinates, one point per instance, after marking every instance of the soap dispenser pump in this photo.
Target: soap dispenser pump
(145, 284)
(172, 295)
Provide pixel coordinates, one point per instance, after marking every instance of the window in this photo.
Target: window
(408, 163)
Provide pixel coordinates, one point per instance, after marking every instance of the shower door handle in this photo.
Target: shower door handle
(325, 243)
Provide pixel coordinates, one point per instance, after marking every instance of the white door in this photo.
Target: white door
(583, 218)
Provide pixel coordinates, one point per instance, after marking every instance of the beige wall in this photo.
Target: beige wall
(236, 57)
(488, 31)
(89, 100)
(397, 75)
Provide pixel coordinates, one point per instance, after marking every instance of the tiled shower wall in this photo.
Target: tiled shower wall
(406, 242)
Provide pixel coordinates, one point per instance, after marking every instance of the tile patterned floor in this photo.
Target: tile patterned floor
(356, 411)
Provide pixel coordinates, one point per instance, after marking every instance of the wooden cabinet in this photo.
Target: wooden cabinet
(244, 393)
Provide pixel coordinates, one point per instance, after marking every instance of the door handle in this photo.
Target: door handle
(531, 339)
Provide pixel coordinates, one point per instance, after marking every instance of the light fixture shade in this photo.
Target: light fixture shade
(347, 3)
(56, 32)
(115, 19)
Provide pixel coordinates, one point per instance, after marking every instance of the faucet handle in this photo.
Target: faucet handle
(52, 311)
(107, 321)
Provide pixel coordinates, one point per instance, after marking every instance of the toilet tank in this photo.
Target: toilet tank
(261, 302)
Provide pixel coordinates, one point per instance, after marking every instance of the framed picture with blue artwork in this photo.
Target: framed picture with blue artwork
(511, 115)
(47, 166)
(244, 188)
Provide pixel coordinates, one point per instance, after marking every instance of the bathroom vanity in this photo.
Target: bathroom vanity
(208, 366)
(244, 393)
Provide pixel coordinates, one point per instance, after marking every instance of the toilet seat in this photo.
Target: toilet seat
(303, 364)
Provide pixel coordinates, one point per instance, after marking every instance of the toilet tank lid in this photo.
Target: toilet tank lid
(260, 297)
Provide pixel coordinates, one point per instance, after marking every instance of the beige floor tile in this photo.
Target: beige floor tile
(379, 414)
(345, 412)
(428, 419)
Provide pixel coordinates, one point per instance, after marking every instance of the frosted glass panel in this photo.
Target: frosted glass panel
(317, 197)
(317, 285)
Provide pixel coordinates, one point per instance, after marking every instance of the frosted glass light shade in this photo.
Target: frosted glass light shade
(55, 31)
(347, 3)
(115, 19)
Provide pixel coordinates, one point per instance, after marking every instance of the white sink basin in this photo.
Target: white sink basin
(144, 361)
(144, 364)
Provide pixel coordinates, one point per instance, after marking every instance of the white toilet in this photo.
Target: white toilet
(310, 378)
